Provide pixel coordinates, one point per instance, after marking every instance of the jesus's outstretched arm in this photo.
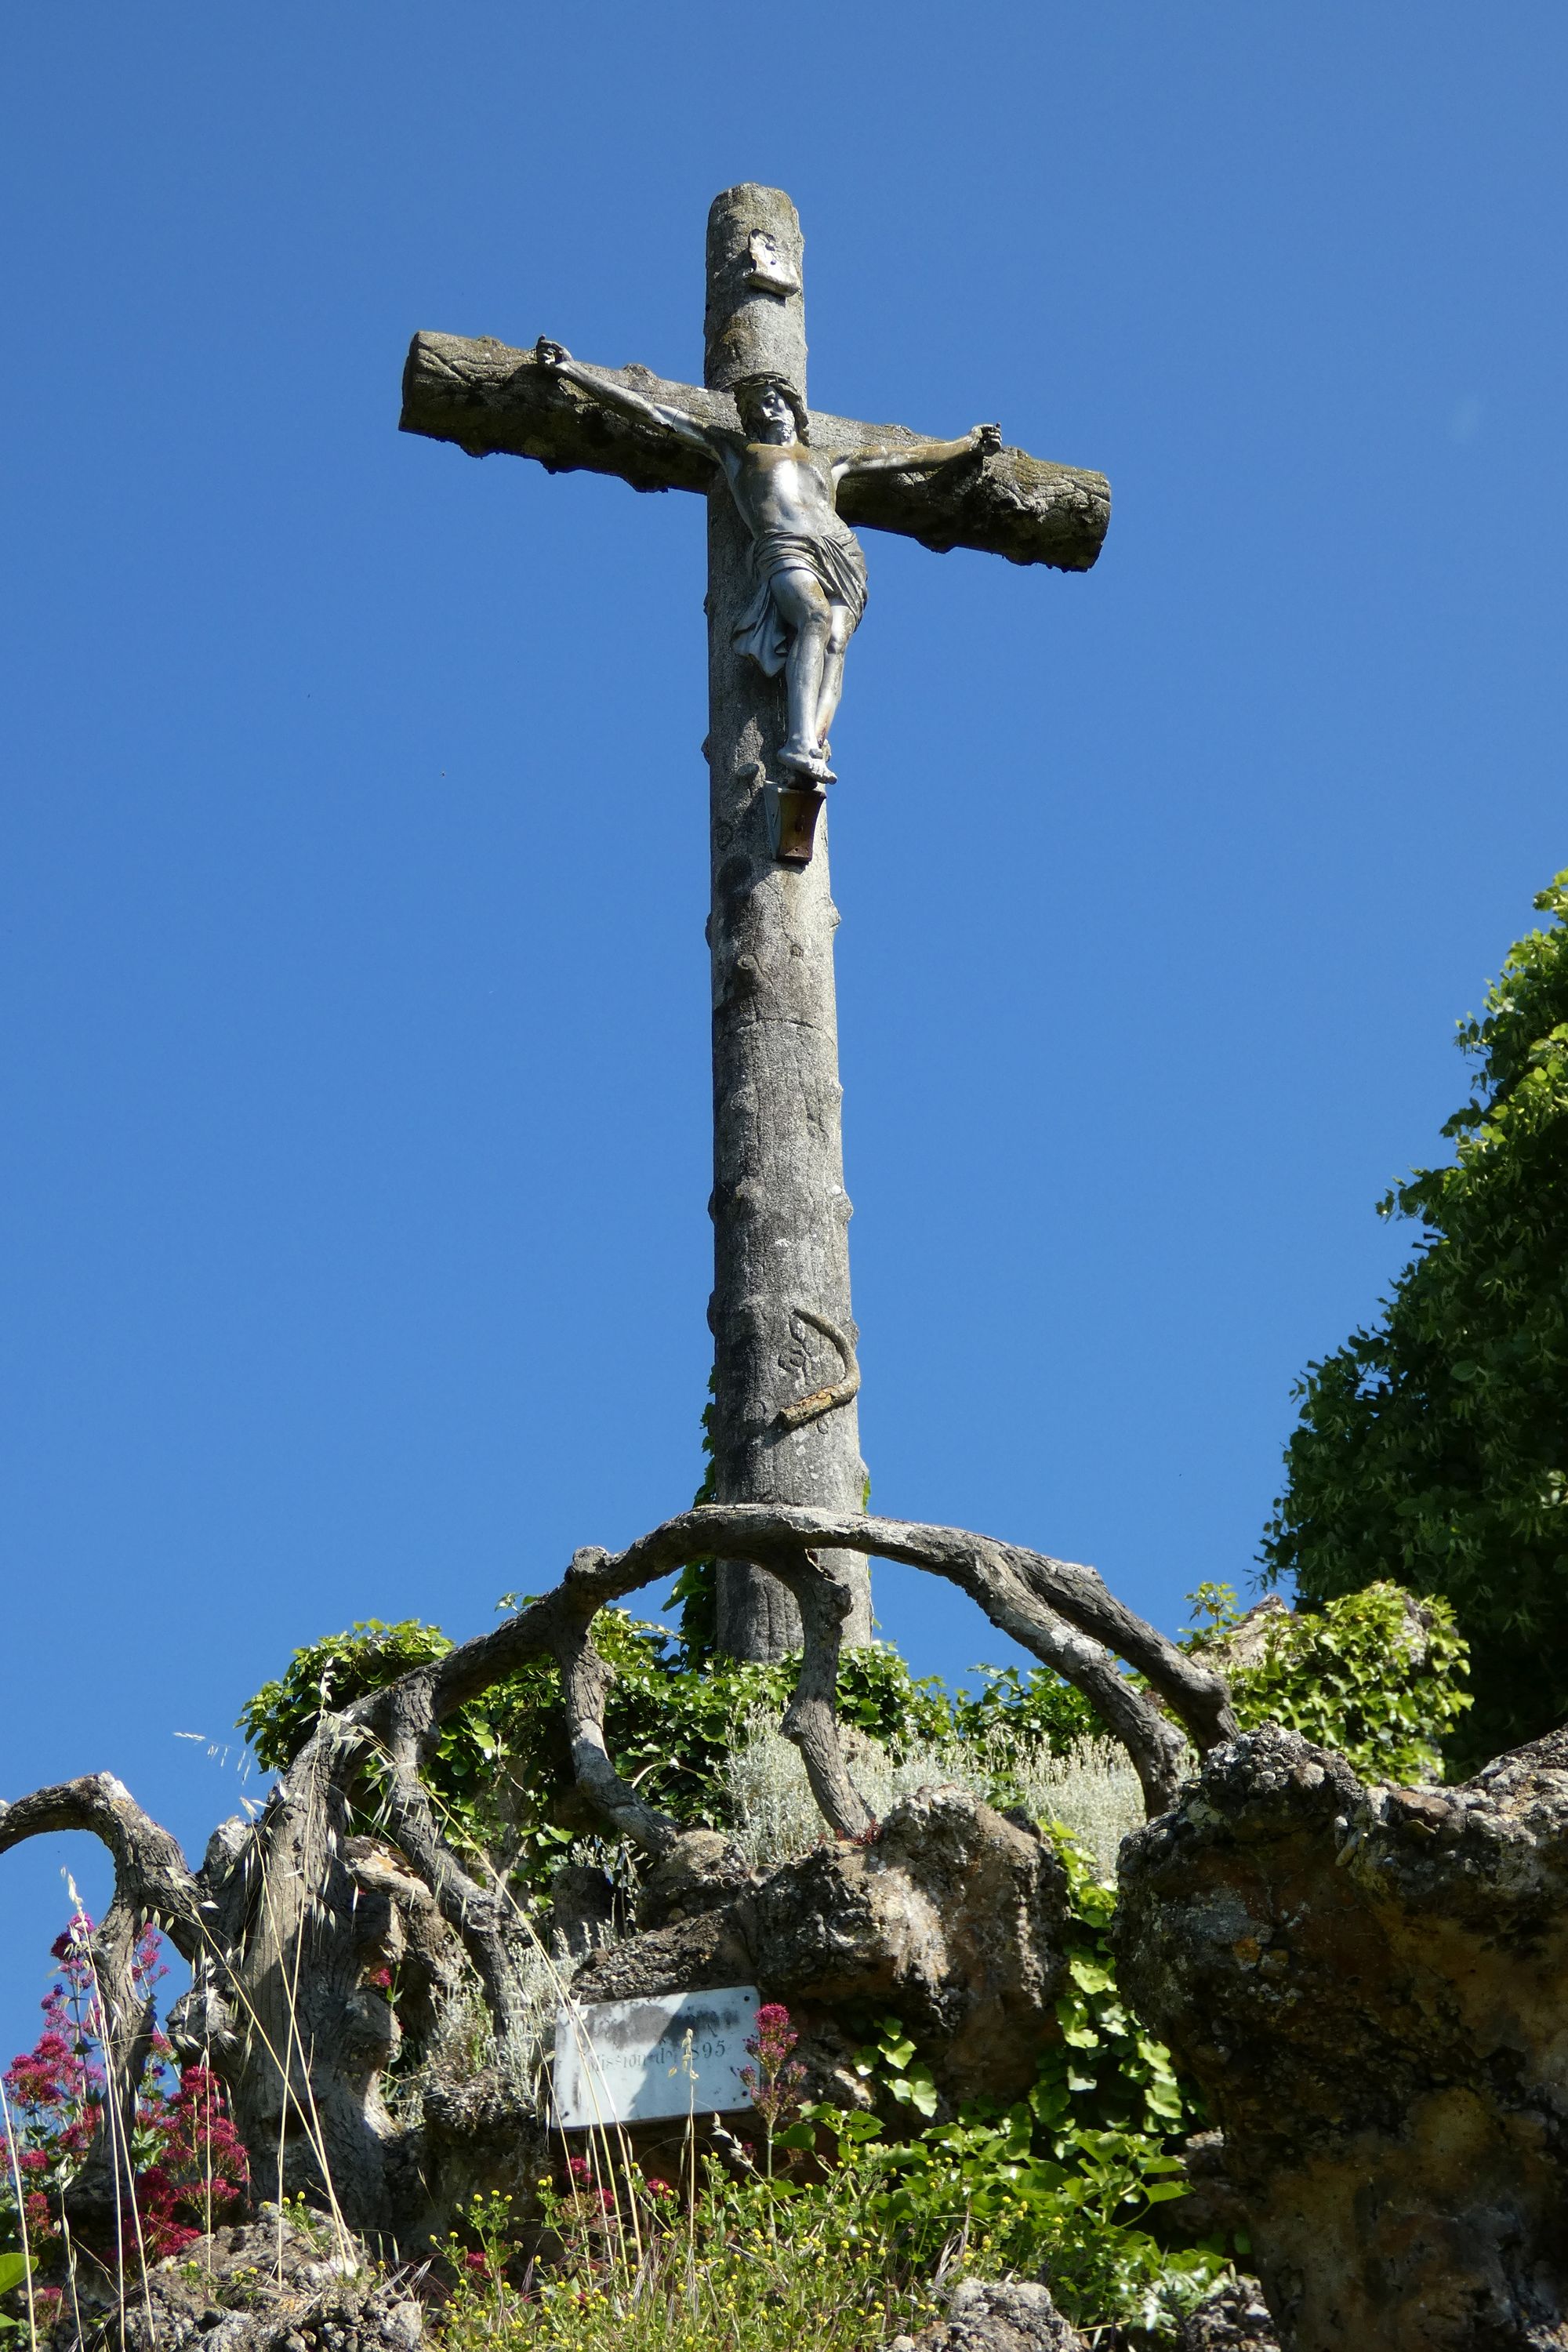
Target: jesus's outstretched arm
(559, 362)
(916, 456)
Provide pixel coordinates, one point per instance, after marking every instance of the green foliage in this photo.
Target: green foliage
(891, 2063)
(1031, 1708)
(1065, 2203)
(333, 1673)
(1357, 1675)
(1065, 2178)
(1431, 1448)
(879, 1694)
(14, 2269)
(1108, 2075)
(744, 2264)
(849, 2254)
(495, 1763)
(501, 1765)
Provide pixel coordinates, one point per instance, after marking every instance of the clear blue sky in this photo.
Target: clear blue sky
(356, 1136)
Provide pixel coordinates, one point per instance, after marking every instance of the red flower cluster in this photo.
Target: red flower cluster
(55, 2090)
(585, 2202)
(199, 2175)
(192, 2171)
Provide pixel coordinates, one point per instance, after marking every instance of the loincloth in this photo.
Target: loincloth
(833, 558)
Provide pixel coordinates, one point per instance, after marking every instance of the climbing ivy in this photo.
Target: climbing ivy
(1366, 1673)
(696, 1586)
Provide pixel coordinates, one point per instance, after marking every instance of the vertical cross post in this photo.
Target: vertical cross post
(783, 1329)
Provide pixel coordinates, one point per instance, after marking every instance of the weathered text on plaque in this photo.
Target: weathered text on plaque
(631, 2061)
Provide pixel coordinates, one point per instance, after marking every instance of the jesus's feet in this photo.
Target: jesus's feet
(812, 764)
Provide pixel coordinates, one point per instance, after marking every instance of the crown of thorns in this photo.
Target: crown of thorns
(760, 382)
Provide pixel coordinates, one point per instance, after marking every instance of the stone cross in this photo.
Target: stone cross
(781, 604)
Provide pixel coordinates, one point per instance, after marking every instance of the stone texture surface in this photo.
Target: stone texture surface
(1213, 2206)
(1371, 1986)
(1235, 2320)
(986, 2317)
(701, 1870)
(478, 2136)
(582, 1910)
(950, 1918)
(266, 2286)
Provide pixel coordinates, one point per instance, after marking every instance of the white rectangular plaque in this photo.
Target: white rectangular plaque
(630, 2061)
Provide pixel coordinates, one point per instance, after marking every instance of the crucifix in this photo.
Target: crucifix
(786, 586)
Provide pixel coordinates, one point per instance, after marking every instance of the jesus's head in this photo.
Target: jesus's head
(771, 409)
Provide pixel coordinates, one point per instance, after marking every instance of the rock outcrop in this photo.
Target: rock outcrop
(1018, 2315)
(995, 2316)
(1371, 1986)
(950, 1917)
(1233, 2319)
(273, 2284)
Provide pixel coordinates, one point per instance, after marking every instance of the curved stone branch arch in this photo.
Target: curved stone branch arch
(1059, 1611)
(290, 1918)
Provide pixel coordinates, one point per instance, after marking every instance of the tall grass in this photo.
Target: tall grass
(713, 2264)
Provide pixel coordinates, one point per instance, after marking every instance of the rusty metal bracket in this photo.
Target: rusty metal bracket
(792, 811)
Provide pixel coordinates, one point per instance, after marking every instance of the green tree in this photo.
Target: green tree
(1432, 1448)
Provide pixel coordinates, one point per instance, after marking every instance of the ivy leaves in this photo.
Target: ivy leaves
(1370, 1673)
(1108, 2074)
(890, 2062)
(672, 1721)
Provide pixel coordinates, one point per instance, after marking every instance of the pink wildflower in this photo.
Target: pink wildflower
(774, 2084)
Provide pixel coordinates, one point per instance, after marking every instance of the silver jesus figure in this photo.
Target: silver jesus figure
(808, 564)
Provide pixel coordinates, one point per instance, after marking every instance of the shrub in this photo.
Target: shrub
(1430, 1446)
(672, 1725)
(1091, 1789)
(1371, 1675)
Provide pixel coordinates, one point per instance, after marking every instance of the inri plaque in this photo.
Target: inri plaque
(630, 2062)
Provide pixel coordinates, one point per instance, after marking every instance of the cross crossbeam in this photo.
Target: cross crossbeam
(489, 400)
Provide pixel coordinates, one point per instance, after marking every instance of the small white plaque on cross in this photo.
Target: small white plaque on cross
(630, 2062)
